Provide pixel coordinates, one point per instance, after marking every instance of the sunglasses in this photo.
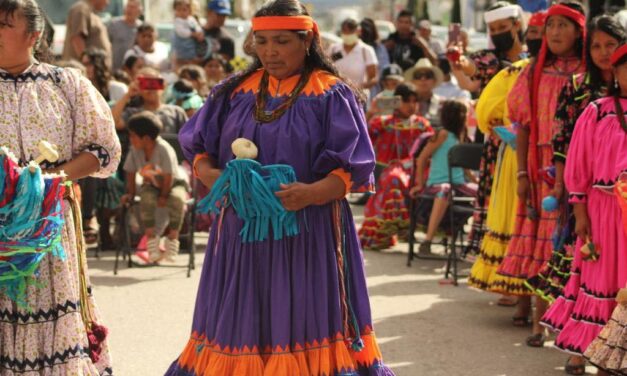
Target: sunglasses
(424, 75)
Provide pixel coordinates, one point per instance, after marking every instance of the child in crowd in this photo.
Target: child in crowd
(185, 96)
(187, 32)
(453, 119)
(391, 77)
(164, 186)
(216, 69)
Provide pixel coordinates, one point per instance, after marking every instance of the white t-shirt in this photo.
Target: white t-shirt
(159, 58)
(353, 65)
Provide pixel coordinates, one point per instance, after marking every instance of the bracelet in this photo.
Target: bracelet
(197, 158)
(521, 173)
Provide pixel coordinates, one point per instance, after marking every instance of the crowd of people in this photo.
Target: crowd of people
(545, 100)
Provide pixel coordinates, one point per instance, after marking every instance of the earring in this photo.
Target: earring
(307, 52)
(615, 83)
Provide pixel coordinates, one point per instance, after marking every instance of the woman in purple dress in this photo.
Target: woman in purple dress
(297, 305)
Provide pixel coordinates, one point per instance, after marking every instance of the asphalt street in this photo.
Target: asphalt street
(424, 327)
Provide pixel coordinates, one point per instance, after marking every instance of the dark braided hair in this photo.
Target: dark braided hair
(35, 22)
(97, 57)
(316, 59)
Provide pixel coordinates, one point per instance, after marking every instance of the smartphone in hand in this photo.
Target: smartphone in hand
(150, 83)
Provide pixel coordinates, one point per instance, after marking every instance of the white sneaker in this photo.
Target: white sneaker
(171, 249)
(152, 246)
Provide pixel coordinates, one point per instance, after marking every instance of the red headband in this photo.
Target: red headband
(580, 20)
(618, 54)
(537, 19)
(285, 23)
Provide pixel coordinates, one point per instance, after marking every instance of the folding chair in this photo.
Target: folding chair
(468, 157)
(130, 233)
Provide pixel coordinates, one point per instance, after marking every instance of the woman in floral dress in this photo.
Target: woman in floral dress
(48, 333)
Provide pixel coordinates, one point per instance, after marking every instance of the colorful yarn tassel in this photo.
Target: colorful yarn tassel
(249, 187)
(30, 225)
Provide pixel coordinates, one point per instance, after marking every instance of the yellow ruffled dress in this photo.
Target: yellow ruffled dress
(492, 110)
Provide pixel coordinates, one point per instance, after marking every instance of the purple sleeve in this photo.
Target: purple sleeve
(201, 133)
(347, 144)
(578, 170)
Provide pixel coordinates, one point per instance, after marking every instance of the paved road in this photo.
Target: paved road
(424, 328)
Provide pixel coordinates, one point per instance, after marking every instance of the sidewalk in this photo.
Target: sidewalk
(424, 328)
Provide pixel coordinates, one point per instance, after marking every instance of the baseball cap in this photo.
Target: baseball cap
(222, 7)
(392, 71)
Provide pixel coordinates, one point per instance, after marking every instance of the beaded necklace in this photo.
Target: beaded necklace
(263, 116)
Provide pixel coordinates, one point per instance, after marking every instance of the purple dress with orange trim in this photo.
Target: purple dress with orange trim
(299, 305)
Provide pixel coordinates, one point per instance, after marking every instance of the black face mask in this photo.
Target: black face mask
(533, 46)
(503, 42)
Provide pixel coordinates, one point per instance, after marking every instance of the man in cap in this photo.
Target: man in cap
(224, 44)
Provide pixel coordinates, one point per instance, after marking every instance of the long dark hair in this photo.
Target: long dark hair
(453, 117)
(369, 32)
(97, 57)
(35, 22)
(316, 59)
(610, 26)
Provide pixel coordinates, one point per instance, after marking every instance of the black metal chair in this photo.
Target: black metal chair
(468, 157)
(130, 234)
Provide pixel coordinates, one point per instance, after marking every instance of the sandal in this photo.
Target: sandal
(425, 248)
(90, 234)
(521, 321)
(536, 340)
(574, 369)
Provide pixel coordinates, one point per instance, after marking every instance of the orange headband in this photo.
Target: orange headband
(285, 23)
(618, 54)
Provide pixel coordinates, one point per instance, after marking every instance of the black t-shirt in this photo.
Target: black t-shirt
(404, 53)
(223, 42)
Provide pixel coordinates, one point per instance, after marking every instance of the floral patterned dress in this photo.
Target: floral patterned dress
(385, 215)
(573, 99)
(48, 336)
(488, 64)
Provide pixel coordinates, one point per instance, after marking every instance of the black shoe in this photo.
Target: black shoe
(425, 248)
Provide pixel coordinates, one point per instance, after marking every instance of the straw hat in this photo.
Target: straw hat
(424, 64)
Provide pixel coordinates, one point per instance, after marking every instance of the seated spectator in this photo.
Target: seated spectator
(425, 77)
(188, 35)
(98, 73)
(140, 98)
(132, 65)
(196, 75)
(216, 70)
(435, 152)
(404, 47)
(370, 36)
(449, 89)
(185, 96)
(385, 214)
(163, 188)
(424, 30)
(147, 47)
(391, 78)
